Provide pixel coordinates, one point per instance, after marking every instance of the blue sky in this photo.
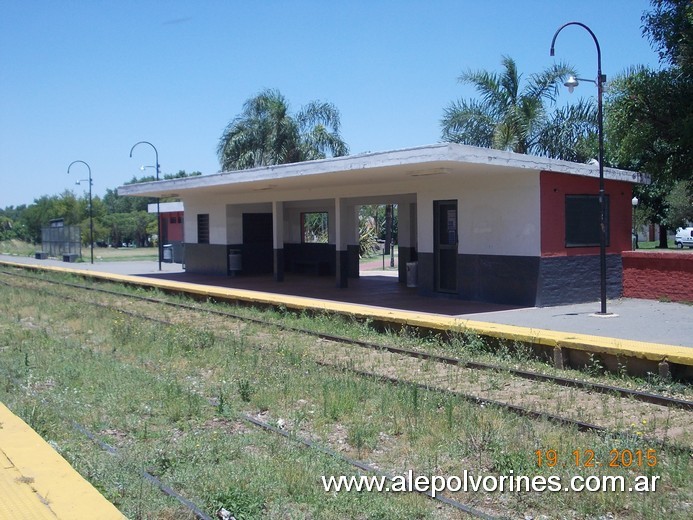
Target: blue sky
(87, 79)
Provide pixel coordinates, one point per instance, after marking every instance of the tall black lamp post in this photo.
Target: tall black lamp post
(91, 217)
(571, 84)
(634, 201)
(158, 209)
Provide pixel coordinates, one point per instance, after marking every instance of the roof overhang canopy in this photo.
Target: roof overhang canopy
(370, 168)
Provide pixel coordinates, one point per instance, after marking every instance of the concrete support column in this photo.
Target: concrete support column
(406, 237)
(278, 239)
(344, 233)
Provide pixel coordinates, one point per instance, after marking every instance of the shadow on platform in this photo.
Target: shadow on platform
(380, 291)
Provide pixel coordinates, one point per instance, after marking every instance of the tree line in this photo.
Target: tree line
(116, 219)
(648, 128)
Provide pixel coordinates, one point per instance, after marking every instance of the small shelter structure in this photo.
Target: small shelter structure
(171, 216)
(479, 224)
(57, 239)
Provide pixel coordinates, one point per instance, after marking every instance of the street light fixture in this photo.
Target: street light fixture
(571, 84)
(91, 218)
(634, 201)
(158, 209)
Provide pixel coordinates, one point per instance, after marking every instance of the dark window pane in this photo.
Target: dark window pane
(203, 228)
(582, 221)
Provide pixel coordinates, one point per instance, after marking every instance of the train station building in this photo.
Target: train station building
(475, 223)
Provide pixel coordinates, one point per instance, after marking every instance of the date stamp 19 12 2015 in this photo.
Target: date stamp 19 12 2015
(586, 458)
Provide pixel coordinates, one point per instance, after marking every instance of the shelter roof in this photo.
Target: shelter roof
(390, 166)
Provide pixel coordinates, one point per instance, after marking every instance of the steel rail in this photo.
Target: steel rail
(167, 490)
(518, 410)
(363, 466)
(286, 434)
(647, 397)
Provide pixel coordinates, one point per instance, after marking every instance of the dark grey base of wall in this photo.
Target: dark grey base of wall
(406, 254)
(509, 280)
(278, 264)
(206, 258)
(526, 280)
(576, 279)
(353, 261)
(342, 269)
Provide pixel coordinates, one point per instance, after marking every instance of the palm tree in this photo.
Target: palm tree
(520, 120)
(265, 133)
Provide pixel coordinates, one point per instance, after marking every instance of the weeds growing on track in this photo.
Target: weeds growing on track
(169, 398)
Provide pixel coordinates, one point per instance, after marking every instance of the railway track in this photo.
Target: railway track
(447, 374)
(647, 397)
(198, 511)
(415, 369)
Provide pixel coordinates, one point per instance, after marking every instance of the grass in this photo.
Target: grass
(169, 397)
(101, 254)
(655, 244)
(17, 248)
(122, 254)
(378, 256)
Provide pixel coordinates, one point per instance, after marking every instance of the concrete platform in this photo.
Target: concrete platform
(646, 330)
(641, 320)
(37, 483)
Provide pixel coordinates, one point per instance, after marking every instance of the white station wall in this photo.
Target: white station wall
(215, 208)
(496, 215)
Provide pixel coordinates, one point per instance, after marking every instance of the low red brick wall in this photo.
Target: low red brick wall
(657, 276)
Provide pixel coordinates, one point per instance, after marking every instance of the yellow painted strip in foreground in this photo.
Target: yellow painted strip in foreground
(37, 483)
(596, 344)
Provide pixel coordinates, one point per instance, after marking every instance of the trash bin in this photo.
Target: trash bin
(168, 253)
(234, 261)
(412, 271)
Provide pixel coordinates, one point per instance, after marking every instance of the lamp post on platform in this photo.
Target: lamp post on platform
(634, 201)
(571, 84)
(91, 216)
(158, 208)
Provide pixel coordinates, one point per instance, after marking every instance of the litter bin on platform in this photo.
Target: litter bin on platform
(168, 253)
(235, 263)
(412, 273)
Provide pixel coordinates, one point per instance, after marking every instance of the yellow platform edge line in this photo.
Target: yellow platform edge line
(548, 338)
(57, 486)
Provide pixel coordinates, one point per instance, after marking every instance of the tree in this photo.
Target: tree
(669, 27)
(521, 120)
(266, 134)
(649, 116)
(46, 208)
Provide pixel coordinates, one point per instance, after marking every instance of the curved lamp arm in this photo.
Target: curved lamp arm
(156, 154)
(85, 164)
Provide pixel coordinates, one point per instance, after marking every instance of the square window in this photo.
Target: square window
(314, 228)
(583, 222)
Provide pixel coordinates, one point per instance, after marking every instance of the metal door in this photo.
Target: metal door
(445, 245)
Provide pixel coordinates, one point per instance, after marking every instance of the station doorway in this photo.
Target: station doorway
(445, 245)
(378, 240)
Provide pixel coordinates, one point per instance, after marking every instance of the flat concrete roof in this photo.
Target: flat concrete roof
(390, 166)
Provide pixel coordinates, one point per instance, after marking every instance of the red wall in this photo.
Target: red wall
(656, 276)
(555, 186)
(172, 231)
